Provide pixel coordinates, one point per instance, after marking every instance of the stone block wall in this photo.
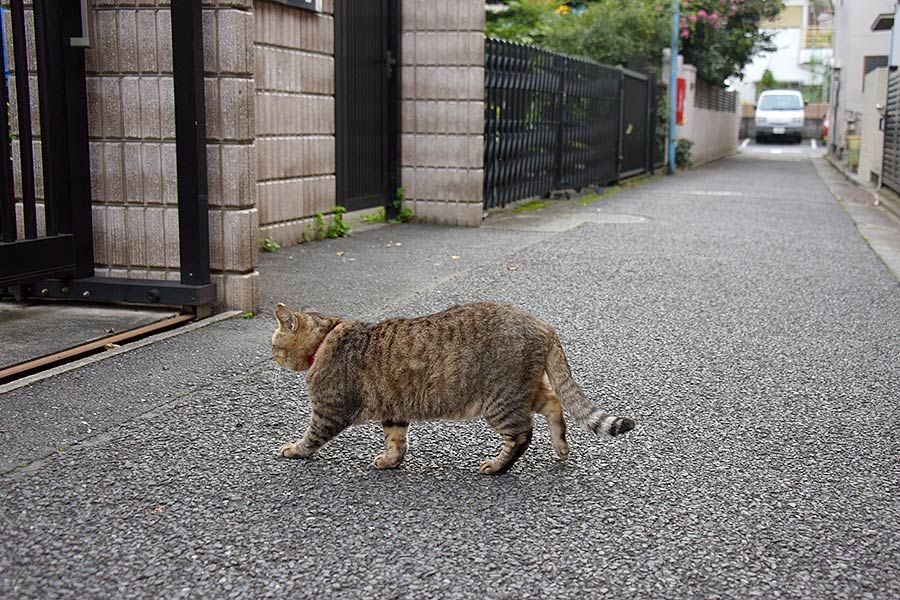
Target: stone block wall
(442, 123)
(294, 74)
(131, 105)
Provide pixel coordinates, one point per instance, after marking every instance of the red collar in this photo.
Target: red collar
(312, 357)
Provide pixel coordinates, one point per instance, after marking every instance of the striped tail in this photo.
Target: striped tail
(585, 412)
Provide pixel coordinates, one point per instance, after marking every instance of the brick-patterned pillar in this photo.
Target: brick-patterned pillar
(294, 118)
(443, 110)
(131, 105)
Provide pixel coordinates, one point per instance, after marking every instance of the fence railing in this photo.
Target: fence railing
(890, 166)
(712, 97)
(555, 122)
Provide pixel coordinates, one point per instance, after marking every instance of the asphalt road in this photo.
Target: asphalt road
(741, 320)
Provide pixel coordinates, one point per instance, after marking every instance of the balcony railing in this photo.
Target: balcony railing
(817, 36)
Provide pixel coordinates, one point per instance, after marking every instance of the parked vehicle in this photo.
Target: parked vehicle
(779, 114)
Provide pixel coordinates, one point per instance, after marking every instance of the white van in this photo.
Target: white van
(779, 114)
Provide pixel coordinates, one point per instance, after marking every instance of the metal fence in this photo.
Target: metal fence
(890, 166)
(555, 122)
(713, 97)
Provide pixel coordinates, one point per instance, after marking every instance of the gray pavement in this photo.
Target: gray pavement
(734, 311)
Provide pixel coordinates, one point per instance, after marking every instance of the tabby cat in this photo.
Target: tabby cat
(485, 359)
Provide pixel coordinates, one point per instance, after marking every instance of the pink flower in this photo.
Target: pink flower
(701, 13)
(685, 33)
(693, 18)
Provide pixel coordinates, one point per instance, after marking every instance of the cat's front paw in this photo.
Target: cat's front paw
(294, 451)
(490, 467)
(387, 461)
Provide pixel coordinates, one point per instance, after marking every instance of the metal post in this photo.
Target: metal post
(673, 85)
(190, 141)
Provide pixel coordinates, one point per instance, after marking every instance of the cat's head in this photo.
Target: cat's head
(298, 336)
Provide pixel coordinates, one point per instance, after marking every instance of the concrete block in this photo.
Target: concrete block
(98, 221)
(169, 173)
(94, 107)
(150, 116)
(214, 174)
(112, 107)
(113, 182)
(133, 174)
(167, 108)
(136, 243)
(408, 48)
(238, 185)
(164, 40)
(155, 236)
(241, 292)
(116, 235)
(213, 114)
(132, 116)
(98, 194)
(475, 83)
(210, 41)
(408, 16)
(476, 117)
(235, 42)
(216, 239)
(237, 109)
(239, 239)
(107, 35)
(151, 172)
(408, 116)
(128, 40)
(147, 41)
(476, 48)
(172, 243)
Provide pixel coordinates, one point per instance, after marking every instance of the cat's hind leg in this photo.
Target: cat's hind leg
(321, 428)
(515, 427)
(548, 405)
(394, 445)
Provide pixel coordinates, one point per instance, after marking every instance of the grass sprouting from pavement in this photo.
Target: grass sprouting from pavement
(533, 205)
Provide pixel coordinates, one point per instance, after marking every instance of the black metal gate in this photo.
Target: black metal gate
(57, 260)
(890, 166)
(28, 251)
(367, 76)
(635, 123)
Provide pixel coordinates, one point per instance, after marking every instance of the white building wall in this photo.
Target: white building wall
(853, 40)
(871, 147)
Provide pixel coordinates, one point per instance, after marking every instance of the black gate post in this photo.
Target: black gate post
(560, 123)
(64, 146)
(619, 139)
(190, 141)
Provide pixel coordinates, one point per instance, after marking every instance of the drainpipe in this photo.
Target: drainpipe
(673, 85)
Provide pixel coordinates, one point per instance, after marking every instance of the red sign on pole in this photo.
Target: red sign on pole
(679, 102)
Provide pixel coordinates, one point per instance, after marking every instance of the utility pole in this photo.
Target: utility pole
(673, 85)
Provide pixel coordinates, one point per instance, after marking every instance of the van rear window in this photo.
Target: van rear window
(780, 102)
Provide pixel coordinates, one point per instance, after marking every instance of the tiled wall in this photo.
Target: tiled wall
(443, 110)
(132, 143)
(294, 66)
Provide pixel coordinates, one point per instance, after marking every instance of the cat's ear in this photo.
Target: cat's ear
(286, 318)
(309, 310)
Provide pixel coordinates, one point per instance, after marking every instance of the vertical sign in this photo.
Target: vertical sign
(679, 102)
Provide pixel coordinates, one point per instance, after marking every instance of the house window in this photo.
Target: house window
(870, 63)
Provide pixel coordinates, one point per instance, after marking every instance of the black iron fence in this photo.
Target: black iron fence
(554, 122)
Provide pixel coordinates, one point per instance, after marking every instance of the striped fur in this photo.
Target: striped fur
(484, 359)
